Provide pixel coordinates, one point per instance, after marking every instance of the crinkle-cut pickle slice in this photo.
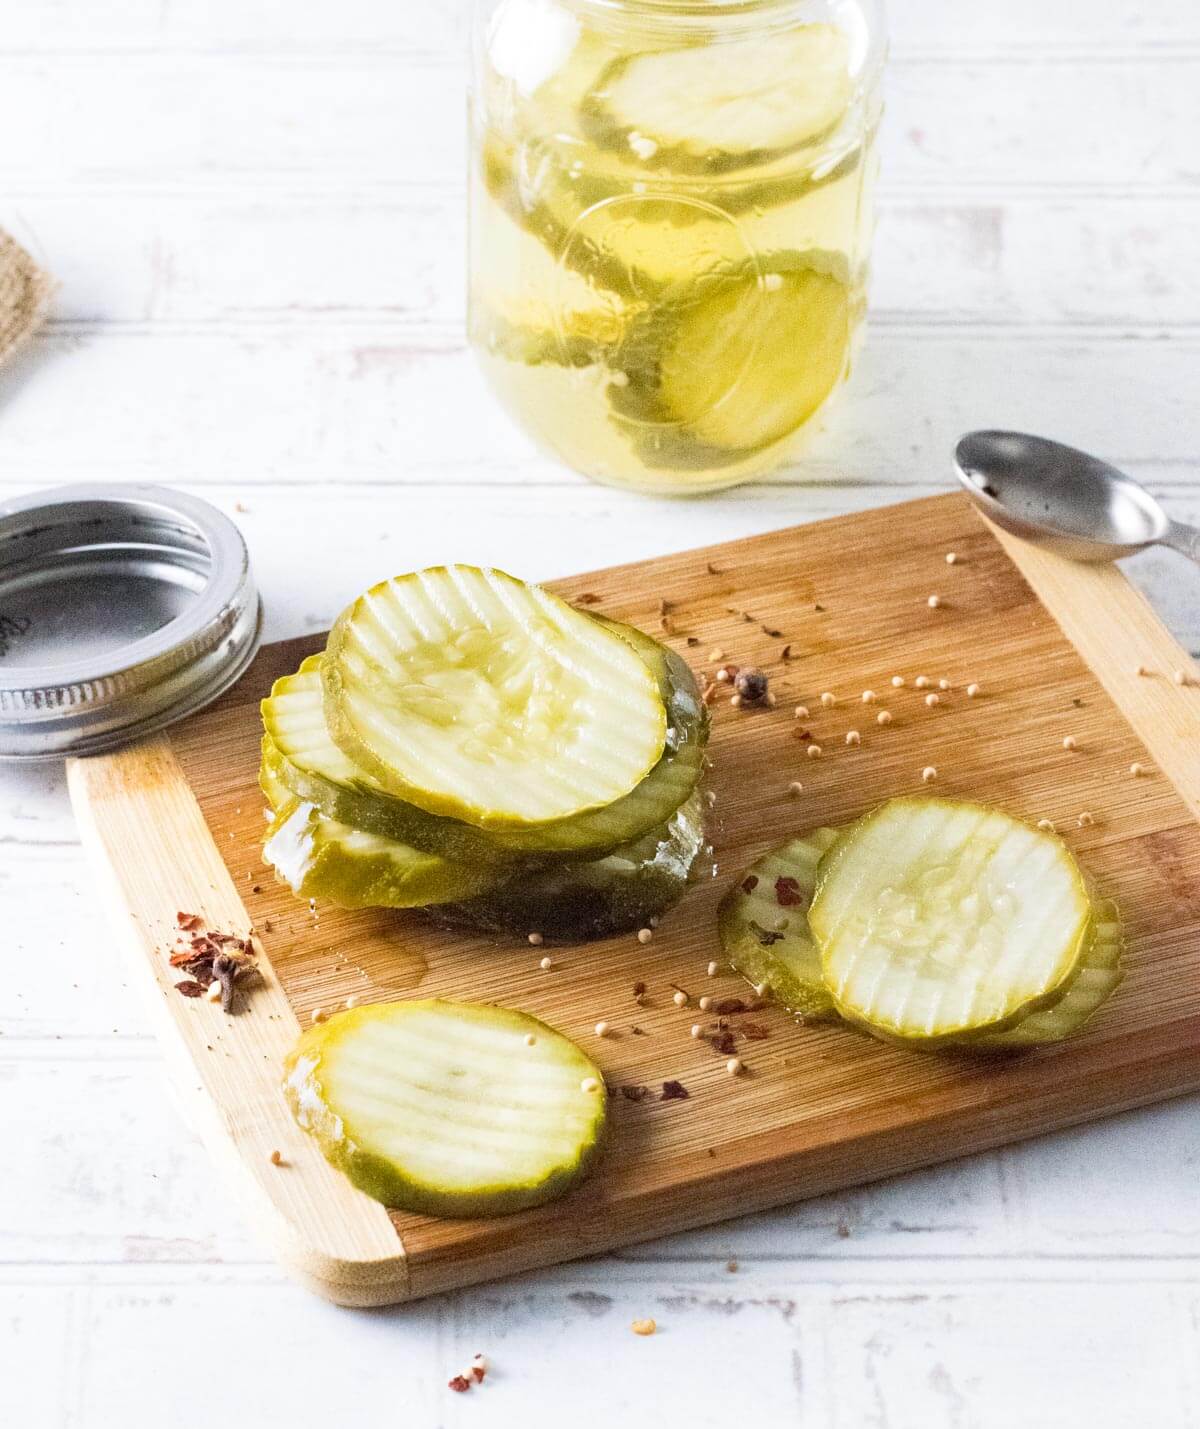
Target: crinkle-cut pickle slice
(317, 857)
(598, 897)
(448, 1108)
(473, 695)
(763, 925)
(1098, 978)
(751, 358)
(302, 756)
(708, 108)
(938, 919)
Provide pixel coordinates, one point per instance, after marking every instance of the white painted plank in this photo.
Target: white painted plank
(425, 26)
(362, 405)
(417, 27)
(339, 123)
(256, 1355)
(70, 983)
(109, 1172)
(865, 1355)
(399, 259)
(36, 1351)
(1071, 1357)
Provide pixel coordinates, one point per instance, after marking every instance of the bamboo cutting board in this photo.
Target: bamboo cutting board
(174, 824)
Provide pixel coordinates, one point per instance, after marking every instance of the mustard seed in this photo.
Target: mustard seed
(869, 697)
(644, 935)
(536, 940)
(951, 558)
(972, 691)
(795, 788)
(1046, 825)
(853, 737)
(589, 1085)
(714, 969)
(546, 964)
(898, 682)
(883, 717)
(602, 1028)
(828, 699)
(801, 711)
(733, 1066)
(933, 602)
(922, 682)
(1069, 742)
(1135, 769)
(680, 999)
(814, 751)
(932, 700)
(928, 774)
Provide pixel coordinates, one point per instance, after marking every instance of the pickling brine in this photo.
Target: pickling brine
(670, 226)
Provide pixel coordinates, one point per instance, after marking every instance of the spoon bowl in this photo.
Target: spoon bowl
(1064, 499)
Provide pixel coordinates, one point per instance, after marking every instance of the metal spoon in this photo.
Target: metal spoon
(1065, 500)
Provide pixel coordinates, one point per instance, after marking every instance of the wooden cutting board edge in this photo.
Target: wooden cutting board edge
(344, 1246)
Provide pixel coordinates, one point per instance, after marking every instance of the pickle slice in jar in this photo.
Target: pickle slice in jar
(713, 107)
(730, 365)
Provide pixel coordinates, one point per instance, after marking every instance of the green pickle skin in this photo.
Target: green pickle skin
(366, 806)
(343, 1145)
(793, 974)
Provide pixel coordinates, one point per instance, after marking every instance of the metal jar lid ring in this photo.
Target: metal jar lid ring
(122, 609)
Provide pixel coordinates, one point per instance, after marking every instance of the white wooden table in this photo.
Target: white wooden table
(256, 212)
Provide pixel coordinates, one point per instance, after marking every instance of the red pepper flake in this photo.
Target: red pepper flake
(693, 640)
(477, 1373)
(786, 653)
(755, 1031)
(773, 633)
(639, 1031)
(750, 883)
(459, 1384)
(189, 922)
(190, 988)
(674, 1092)
(587, 598)
(729, 1005)
(787, 892)
(711, 569)
(820, 609)
(635, 1093)
(802, 734)
(723, 1043)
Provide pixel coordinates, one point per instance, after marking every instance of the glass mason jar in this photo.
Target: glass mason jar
(670, 225)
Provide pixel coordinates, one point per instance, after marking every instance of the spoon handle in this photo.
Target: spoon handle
(1183, 538)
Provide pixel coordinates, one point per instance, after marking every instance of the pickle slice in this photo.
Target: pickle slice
(448, 1108)
(319, 858)
(707, 108)
(473, 695)
(1098, 978)
(736, 364)
(763, 924)
(592, 899)
(300, 753)
(938, 919)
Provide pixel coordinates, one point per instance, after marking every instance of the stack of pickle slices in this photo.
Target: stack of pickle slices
(476, 747)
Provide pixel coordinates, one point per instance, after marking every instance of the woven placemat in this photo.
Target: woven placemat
(24, 295)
